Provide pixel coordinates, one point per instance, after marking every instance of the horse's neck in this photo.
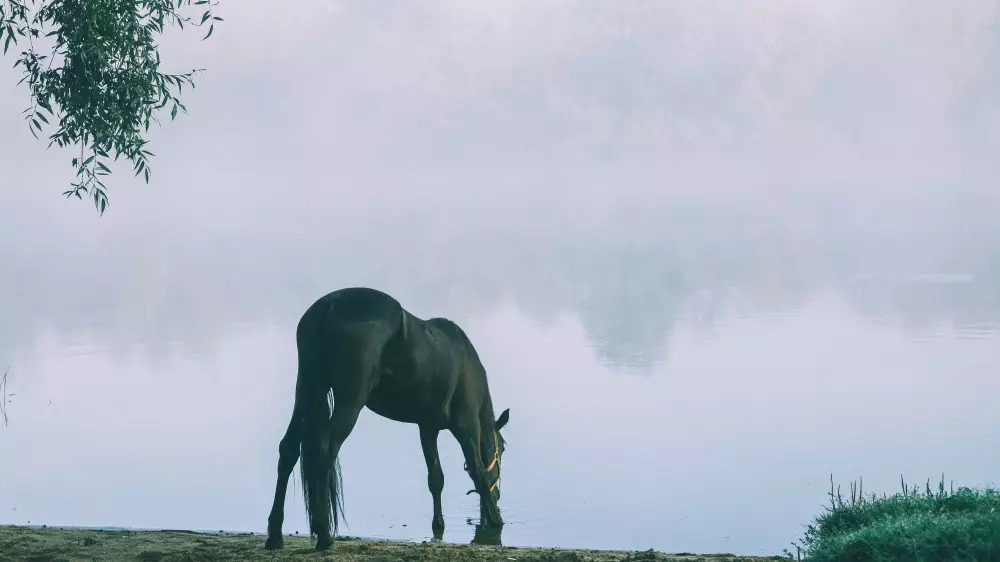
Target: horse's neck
(433, 333)
(486, 415)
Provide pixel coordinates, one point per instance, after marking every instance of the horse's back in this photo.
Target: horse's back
(355, 317)
(353, 305)
(343, 336)
(361, 304)
(460, 340)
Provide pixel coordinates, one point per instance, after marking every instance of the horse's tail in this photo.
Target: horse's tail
(337, 498)
(321, 477)
(322, 483)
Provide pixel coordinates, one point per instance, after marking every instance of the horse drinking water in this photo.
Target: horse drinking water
(360, 346)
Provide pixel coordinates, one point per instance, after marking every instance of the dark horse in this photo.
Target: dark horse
(360, 346)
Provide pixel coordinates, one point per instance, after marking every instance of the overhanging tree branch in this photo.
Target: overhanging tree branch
(98, 83)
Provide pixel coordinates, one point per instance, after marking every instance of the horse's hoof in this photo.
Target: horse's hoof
(274, 543)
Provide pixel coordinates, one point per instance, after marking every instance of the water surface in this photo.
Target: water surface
(692, 402)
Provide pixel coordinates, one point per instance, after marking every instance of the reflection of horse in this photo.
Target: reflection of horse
(486, 535)
(360, 346)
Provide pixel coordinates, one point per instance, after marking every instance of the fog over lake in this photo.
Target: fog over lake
(709, 254)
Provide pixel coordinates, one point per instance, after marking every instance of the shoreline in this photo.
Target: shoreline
(72, 544)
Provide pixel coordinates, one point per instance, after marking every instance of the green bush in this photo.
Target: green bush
(913, 525)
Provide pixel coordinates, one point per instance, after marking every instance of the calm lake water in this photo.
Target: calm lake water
(689, 347)
(692, 392)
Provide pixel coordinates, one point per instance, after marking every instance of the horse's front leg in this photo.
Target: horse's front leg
(435, 476)
(468, 439)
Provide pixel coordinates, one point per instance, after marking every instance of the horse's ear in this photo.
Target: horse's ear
(503, 419)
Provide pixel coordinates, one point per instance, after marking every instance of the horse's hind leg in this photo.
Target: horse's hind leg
(342, 422)
(288, 455)
(435, 476)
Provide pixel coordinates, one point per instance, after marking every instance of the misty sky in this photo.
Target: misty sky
(458, 153)
(824, 87)
(593, 82)
(590, 99)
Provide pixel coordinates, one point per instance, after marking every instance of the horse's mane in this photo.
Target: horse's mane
(487, 416)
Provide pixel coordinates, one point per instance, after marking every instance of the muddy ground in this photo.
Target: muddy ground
(34, 544)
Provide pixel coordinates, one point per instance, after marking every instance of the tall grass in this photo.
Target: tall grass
(912, 525)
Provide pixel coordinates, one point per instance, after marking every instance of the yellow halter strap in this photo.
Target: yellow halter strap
(496, 460)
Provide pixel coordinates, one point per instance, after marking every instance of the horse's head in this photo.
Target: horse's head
(495, 456)
(492, 447)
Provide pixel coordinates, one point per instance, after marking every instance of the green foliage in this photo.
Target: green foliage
(912, 525)
(93, 69)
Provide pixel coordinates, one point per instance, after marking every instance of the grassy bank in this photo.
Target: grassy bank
(914, 525)
(27, 544)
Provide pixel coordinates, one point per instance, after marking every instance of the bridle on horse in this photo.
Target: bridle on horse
(495, 462)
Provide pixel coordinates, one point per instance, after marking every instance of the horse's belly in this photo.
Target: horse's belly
(407, 406)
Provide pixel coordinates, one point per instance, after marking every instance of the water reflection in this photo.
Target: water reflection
(756, 340)
(158, 288)
(925, 305)
(136, 408)
(491, 536)
(720, 408)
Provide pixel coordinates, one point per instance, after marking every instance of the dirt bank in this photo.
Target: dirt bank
(27, 544)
